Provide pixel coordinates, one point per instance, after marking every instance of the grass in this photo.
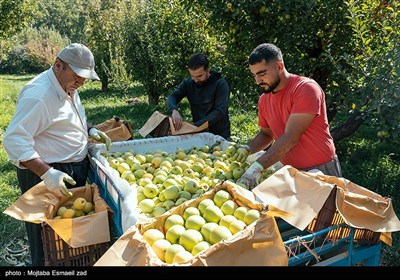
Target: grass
(365, 160)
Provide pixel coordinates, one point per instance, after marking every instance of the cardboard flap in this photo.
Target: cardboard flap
(155, 119)
(187, 128)
(294, 192)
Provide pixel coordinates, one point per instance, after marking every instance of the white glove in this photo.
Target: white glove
(100, 136)
(54, 179)
(252, 175)
(241, 153)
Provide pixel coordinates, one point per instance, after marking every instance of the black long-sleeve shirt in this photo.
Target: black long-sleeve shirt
(208, 102)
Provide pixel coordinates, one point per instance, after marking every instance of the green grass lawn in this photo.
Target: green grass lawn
(365, 159)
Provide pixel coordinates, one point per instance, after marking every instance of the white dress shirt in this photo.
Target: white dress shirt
(46, 124)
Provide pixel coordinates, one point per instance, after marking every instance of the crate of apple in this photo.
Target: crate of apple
(79, 208)
(213, 219)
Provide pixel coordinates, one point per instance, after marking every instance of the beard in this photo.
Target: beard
(270, 88)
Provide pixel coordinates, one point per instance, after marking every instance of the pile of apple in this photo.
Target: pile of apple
(165, 180)
(79, 208)
(213, 220)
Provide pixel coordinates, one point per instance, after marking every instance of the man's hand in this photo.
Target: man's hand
(241, 153)
(252, 175)
(177, 119)
(54, 179)
(100, 136)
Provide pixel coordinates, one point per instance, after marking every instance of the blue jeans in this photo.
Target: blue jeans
(27, 179)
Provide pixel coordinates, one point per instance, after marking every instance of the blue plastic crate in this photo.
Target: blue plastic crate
(104, 183)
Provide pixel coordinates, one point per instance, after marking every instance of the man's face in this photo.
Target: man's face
(67, 78)
(266, 75)
(200, 75)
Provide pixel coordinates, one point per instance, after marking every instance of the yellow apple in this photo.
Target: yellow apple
(213, 214)
(229, 207)
(190, 211)
(160, 246)
(147, 205)
(151, 235)
(194, 222)
(240, 212)
(219, 233)
(237, 226)
(172, 220)
(174, 233)
(227, 220)
(172, 251)
(182, 256)
(203, 205)
(190, 238)
(206, 230)
(200, 247)
(251, 216)
(79, 203)
(61, 210)
(68, 213)
(220, 197)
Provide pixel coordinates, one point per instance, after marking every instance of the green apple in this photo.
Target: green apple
(238, 172)
(200, 247)
(170, 182)
(180, 200)
(251, 216)
(206, 230)
(174, 233)
(233, 165)
(159, 179)
(176, 170)
(220, 197)
(213, 214)
(237, 226)
(184, 165)
(240, 212)
(123, 167)
(158, 211)
(139, 173)
(114, 163)
(167, 164)
(198, 167)
(143, 181)
(219, 233)
(229, 207)
(227, 220)
(230, 151)
(78, 213)
(182, 256)
(194, 222)
(168, 204)
(150, 190)
(151, 235)
(160, 246)
(171, 252)
(185, 194)
(140, 196)
(171, 192)
(147, 205)
(190, 238)
(61, 210)
(79, 203)
(203, 205)
(172, 220)
(88, 207)
(190, 211)
(141, 158)
(191, 186)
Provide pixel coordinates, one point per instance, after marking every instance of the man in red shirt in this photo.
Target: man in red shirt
(292, 116)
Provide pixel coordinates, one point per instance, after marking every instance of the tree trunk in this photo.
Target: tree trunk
(348, 127)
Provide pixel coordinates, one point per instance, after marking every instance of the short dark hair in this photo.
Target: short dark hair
(265, 51)
(198, 60)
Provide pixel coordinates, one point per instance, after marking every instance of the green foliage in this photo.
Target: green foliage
(68, 17)
(34, 51)
(15, 14)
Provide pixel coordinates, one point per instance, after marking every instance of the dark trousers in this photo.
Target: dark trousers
(27, 179)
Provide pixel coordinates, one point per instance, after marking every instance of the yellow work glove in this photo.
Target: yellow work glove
(100, 136)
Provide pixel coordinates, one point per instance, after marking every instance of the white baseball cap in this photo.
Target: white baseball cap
(80, 59)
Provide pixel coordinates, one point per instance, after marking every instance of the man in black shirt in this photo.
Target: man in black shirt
(208, 95)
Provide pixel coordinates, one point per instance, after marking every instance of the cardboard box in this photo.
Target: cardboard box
(39, 205)
(259, 244)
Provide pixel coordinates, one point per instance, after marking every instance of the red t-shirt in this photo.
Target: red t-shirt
(300, 95)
